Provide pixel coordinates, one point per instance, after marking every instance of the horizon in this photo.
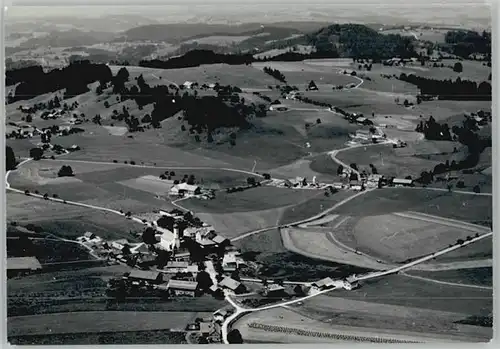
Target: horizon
(459, 12)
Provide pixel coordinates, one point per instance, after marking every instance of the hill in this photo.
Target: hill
(356, 40)
(176, 33)
(73, 37)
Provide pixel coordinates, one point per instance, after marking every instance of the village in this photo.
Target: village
(182, 257)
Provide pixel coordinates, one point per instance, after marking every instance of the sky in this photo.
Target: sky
(244, 10)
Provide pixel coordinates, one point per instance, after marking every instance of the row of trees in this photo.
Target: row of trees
(459, 89)
(275, 73)
(33, 81)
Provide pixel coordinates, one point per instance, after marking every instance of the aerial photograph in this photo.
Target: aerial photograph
(187, 172)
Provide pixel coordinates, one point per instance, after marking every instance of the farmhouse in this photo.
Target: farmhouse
(324, 284)
(402, 182)
(176, 266)
(363, 134)
(139, 248)
(274, 290)
(363, 121)
(89, 235)
(145, 276)
(232, 285)
(188, 84)
(182, 288)
(355, 184)
(168, 240)
(338, 185)
(184, 189)
(220, 315)
(22, 265)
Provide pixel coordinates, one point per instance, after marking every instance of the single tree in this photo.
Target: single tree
(65, 171)
(148, 236)
(458, 68)
(36, 153)
(251, 181)
(234, 337)
(340, 170)
(10, 159)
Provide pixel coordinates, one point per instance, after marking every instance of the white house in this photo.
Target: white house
(168, 240)
(119, 244)
(188, 84)
(229, 262)
(183, 189)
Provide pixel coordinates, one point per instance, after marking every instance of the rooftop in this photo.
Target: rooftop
(177, 264)
(275, 287)
(219, 239)
(185, 186)
(324, 282)
(182, 285)
(206, 327)
(402, 181)
(144, 274)
(229, 283)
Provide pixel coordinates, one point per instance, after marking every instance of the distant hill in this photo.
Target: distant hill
(176, 33)
(67, 38)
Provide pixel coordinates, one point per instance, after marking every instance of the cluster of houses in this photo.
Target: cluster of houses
(374, 134)
(297, 183)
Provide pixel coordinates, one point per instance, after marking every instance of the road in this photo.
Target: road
(240, 311)
(313, 218)
(361, 81)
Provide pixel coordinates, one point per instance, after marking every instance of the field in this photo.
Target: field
(335, 309)
(347, 322)
(400, 162)
(234, 75)
(301, 73)
(48, 251)
(304, 49)
(68, 221)
(138, 337)
(116, 186)
(399, 238)
(318, 243)
(109, 321)
(467, 208)
(405, 291)
(218, 40)
(236, 223)
(482, 249)
(254, 199)
(434, 35)
(473, 276)
(279, 263)
(313, 206)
